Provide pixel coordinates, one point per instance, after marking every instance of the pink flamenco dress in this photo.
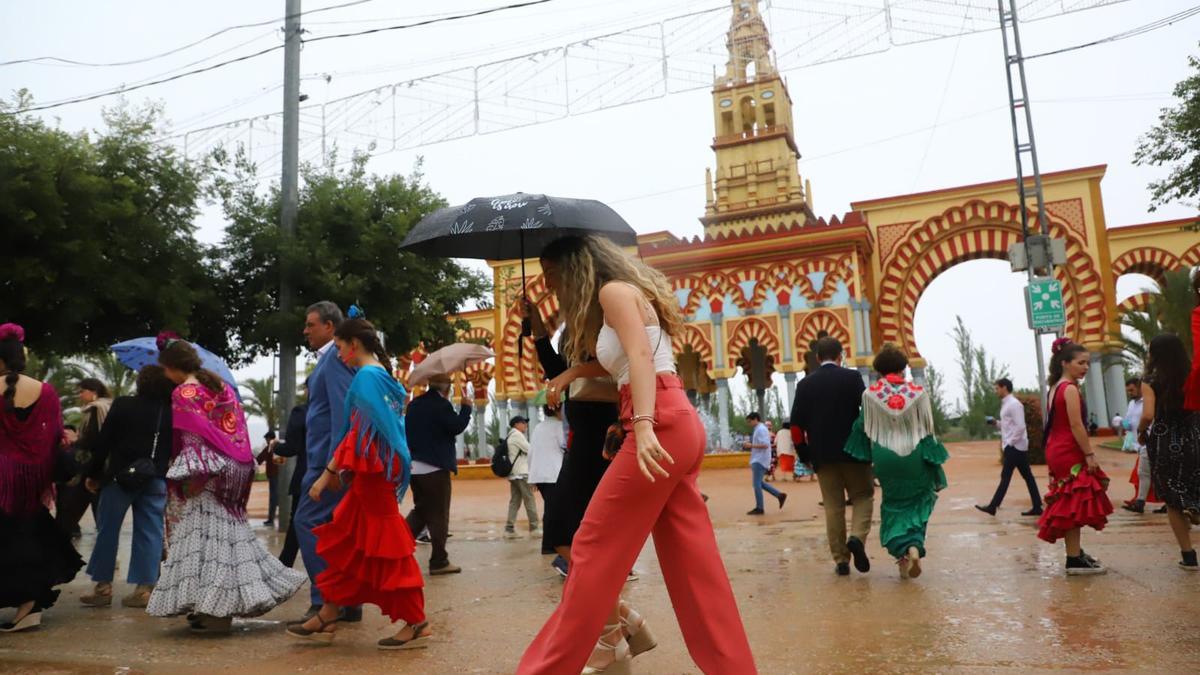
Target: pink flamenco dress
(1076, 497)
(368, 545)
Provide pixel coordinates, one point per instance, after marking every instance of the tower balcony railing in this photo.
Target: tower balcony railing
(757, 132)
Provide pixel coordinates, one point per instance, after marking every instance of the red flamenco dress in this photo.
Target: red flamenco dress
(1077, 497)
(368, 545)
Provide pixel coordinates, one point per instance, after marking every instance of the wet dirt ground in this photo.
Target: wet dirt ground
(993, 597)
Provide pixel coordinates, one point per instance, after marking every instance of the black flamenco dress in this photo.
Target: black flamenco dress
(36, 555)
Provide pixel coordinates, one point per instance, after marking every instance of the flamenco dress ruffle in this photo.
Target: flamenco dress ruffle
(36, 556)
(1080, 499)
(368, 545)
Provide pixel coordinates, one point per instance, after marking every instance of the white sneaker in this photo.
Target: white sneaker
(511, 534)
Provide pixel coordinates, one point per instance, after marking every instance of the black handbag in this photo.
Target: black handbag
(143, 469)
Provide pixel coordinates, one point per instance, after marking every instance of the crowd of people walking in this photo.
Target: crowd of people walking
(616, 460)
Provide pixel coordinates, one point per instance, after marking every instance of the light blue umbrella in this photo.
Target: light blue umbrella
(140, 352)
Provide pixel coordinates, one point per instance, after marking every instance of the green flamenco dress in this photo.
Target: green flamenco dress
(895, 433)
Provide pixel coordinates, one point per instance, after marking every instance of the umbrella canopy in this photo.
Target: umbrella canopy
(449, 359)
(513, 226)
(140, 352)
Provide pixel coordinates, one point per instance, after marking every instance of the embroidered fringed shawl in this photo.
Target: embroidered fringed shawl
(218, 419)
(379, 401)
(27, 452)
(897, 414)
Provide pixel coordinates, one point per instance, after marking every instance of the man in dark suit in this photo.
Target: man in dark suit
(431, 425)
(826, 405)
(293, 445)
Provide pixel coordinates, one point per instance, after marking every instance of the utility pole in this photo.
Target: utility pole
(1025, 148)
(289, 197)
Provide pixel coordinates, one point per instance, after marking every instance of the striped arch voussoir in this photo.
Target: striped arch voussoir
(747, 330)
(761, 285)
(1152, 261)
(526, 375)
(1135, 303)
(1192, 257)
(973, 231)
(695, 293)
(822, 320)
(692, 336)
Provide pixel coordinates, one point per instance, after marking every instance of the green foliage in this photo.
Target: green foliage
(935, 386)
(748, 402)
(108, 369)
(1175, 142)
(60, 373)
(979, 374)
(99, 233)
(260, 400)
(1168, 311)
(346, 249)
(1034, 425)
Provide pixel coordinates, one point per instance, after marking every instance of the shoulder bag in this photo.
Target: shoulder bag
(143, 469)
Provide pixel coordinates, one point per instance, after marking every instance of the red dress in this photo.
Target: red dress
(1077, 497)
(368, 545)
(1191, 391)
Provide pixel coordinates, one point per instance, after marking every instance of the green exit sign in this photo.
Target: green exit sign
(1044, 305)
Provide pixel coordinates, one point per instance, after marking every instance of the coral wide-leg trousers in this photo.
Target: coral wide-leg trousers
(625, 509)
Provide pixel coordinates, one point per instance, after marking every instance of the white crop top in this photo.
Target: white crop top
(612, 356)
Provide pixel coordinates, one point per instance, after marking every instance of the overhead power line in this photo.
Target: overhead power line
(1133, 32)
(268, 50)
(227, 29)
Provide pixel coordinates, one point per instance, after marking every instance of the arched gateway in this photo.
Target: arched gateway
(768, 272)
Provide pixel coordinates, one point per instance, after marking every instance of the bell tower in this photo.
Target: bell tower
(757, 181)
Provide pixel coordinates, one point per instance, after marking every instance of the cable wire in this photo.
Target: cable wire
(268, 50)
(70, 62)
(1133, 32)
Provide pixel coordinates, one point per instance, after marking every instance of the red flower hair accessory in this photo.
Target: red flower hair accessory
(1059, 344)
(10, 331)
(165, 338)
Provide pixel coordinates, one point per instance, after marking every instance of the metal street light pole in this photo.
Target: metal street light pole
(289, 204)
(1019, 101)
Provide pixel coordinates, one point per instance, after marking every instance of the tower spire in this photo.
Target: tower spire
(749, 44)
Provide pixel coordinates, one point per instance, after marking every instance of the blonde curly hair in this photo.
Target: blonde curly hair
(587, 263)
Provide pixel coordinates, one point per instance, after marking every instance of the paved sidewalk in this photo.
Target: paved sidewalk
(993, 598)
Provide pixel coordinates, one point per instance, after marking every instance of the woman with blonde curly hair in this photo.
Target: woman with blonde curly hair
(625, 313)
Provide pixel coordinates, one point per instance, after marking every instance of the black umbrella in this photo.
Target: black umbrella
(513, 226)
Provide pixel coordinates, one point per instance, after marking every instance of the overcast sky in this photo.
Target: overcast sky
(862, 125)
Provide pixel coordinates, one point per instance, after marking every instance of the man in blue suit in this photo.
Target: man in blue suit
(324, 421)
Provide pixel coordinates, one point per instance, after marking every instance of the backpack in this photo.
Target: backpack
(502, 466)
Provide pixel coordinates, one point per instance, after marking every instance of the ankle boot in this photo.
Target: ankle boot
(101, 595)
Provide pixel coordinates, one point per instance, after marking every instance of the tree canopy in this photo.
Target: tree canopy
(1175, 142)
(346, 249)
(101, 230)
